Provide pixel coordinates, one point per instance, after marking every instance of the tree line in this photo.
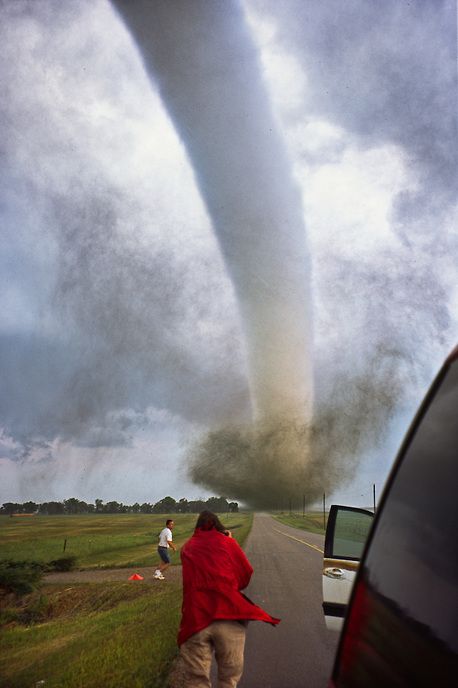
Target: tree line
(167, 505)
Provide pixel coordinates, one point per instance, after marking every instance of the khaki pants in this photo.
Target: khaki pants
(227, 639)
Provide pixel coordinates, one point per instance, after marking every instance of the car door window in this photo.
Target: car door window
(346, 532)
(350, 533)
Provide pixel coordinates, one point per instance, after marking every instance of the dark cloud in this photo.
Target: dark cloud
(129, 334)
(385, 71)
(115, 313)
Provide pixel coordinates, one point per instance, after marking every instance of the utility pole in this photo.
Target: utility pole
(324, 510)
(373, 490)
(303, 506)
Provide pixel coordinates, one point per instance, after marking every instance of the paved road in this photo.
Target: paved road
(299, 652)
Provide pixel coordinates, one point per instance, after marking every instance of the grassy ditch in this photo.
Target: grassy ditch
(91, 635)
(312, 521)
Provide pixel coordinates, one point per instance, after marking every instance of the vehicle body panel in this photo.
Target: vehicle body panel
(401, 625)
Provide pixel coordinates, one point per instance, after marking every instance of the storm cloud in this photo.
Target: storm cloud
(121, 323)
(385, 72)
(111, 294)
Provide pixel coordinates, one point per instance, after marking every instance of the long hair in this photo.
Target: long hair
(208, 520)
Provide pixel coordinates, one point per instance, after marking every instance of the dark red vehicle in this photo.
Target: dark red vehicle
(401, 626)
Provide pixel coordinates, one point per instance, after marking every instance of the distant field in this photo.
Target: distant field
(94, 634)
(101, 540)
(312, 521)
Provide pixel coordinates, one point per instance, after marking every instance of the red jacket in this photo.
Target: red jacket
(215, 570)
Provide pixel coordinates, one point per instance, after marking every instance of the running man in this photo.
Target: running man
(165, 542)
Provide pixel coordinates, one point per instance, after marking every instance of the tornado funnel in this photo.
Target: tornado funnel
(202, 58)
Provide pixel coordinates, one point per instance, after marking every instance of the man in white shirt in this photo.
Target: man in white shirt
(165, 542)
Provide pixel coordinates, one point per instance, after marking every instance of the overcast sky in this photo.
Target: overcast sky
(123, 334)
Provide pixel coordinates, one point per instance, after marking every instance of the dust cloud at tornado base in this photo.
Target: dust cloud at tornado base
(277, 462)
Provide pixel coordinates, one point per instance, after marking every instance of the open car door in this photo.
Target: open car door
(346, 534)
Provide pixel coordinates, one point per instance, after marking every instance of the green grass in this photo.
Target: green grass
(94, 634)
(312, 521)
(99, 634)
(106, 541)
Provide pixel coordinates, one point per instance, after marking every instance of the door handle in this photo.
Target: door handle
(333, 572)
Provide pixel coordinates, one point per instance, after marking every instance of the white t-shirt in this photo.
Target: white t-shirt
(165, 535)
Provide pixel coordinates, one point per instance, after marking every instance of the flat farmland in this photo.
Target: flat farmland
(311, 521)
(100, 541)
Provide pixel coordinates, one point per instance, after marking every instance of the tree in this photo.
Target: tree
(183, 506)
(217, 504)
(112, 508)
(11, 508)
(165, 506)
(196, 506)
(51, 508)
(74, 506)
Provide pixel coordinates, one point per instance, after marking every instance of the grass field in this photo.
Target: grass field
(312, 521)
(99, 541)
(89, 635)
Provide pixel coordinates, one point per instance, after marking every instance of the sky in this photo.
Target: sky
(229, 231)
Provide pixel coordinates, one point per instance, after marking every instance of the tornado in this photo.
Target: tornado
(201, 57)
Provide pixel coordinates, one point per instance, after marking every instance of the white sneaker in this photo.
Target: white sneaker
(159, 575)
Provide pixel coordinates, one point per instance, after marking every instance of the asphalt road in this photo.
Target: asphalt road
(299, 652)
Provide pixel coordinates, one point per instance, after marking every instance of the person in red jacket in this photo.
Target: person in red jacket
(215, 612)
